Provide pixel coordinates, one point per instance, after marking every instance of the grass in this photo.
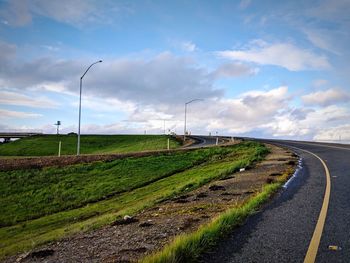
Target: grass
(132, 191)
(45, 145)
(32, 193)
(189, 247)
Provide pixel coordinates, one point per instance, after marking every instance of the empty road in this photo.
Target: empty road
(285, 229)
(202, 141)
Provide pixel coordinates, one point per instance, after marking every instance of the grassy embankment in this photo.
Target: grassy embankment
(45, 145)
(42, 205)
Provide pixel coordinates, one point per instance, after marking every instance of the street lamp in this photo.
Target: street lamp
(186, 113)
(81, 85)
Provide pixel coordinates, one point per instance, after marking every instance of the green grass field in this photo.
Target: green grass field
(41, 205)
(44, 145)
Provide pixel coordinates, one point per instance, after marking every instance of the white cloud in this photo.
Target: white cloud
(326, 97)
(7, 52)
(144, 81)
(235, 70)
(286, 126)
(340, 134)
(285, 55)
(7, 114)
(308, 126)
(188, 46)
(73, 12)
(106, 105)
(243, 114)
(246, 113)
(319, 82)
(244, 4)
(264, 112)
(335, 11)
(57, 87)
(17, 99)
(51, 48)
(16, 13)
(324, 39)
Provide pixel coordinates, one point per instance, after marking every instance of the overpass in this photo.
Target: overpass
(7, 136)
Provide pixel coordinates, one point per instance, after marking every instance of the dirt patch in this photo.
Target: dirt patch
(215, 187)
(42, 253)
(152, 228)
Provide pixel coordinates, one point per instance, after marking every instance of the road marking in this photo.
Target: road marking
(311, 253)
(316, 237)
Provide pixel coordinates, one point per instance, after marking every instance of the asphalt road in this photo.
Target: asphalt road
(283, 229)
(203, 141)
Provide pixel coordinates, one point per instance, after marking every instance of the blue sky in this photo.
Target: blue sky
(276, 69)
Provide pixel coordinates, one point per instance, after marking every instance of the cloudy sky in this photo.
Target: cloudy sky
(273, 69)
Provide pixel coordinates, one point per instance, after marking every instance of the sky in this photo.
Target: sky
(267, 69)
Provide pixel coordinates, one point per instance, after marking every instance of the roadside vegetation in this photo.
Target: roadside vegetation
(32, 193)
(42, 205)
(189, 247)
(45, 145)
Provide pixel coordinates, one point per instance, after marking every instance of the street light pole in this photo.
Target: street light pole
(81, 86)
(186, 114)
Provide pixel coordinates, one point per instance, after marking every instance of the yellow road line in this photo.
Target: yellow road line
(316, 237)
(311, 253)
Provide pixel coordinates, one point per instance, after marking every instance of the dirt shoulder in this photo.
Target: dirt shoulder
(148, 231)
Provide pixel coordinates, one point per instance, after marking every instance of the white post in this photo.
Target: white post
(232, 139)
(168, 144)
(59, 149)
(217, 140)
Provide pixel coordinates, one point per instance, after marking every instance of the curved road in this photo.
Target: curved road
(202, 141)
(284, 229)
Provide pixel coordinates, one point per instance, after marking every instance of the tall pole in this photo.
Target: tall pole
(81, 87)
(185, 122)
(78, 146)
(58, 127)
(186, 114)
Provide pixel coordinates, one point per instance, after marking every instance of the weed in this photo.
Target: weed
(188, 247)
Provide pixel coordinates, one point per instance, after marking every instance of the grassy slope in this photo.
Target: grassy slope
(50, 227)
(90, 144)
(29, 194)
